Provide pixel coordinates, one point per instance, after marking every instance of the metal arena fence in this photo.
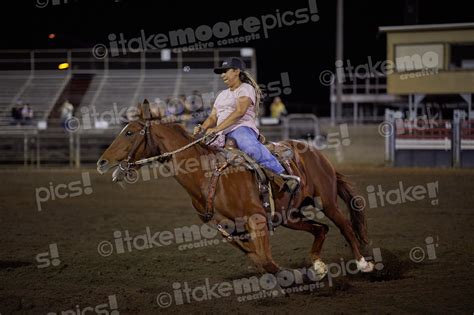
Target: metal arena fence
(33, 147)
(428, 143)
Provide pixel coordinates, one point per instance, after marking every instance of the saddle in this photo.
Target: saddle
(283, 153)
(230, 155)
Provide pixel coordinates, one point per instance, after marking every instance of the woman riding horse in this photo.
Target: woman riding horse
(234, 114)
(236, 196)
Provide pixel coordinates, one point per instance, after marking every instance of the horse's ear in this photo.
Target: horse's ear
(146, 109)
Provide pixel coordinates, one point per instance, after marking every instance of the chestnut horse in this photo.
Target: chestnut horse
(150, 136)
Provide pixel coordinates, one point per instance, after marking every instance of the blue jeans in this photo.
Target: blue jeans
(247, 141)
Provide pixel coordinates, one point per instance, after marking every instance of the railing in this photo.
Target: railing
(435, 129)
(54, 148)
(358, 92)
(418, 143)
(32, 147)
(467, 129)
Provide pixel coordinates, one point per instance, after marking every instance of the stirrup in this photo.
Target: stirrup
(292, 182)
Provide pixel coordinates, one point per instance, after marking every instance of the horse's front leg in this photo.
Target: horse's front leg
(257, 245)
(255, 242)
(260, 253)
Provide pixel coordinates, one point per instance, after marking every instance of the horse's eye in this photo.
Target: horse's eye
(129, 133)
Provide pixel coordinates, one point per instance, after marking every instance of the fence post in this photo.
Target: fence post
(71, 148)
(38, 162)
(456, 138)
(78, 150)
(389, 137)
(286, 128)
(333, 104)
(25, 149)
(392, 139)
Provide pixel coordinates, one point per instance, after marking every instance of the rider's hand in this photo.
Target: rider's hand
(211, 130)
(197, 129)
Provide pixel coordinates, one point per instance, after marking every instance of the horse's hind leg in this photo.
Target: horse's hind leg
(344, 225)
(319, 231)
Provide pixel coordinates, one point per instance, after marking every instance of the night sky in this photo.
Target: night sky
(302, 50)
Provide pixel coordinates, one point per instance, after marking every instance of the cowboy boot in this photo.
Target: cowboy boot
(291, 182)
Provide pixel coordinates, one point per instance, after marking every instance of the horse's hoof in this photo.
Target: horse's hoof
(320, 270)
(364, 266)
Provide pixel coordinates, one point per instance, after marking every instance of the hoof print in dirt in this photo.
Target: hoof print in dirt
(387, 269)
(341, 284)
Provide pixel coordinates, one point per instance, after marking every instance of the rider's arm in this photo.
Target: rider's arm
(211, 121)
(243, 104)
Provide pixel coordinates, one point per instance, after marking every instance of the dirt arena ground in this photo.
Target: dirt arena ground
(55, 260)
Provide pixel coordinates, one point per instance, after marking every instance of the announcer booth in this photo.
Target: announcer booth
(433, 67)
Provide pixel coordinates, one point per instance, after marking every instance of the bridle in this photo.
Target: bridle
(125, 167)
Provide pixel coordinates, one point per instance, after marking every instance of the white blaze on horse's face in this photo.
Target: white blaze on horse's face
(123, 129)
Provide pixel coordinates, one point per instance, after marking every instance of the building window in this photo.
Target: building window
(462, 56)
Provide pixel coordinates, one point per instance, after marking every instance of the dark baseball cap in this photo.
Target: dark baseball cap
(230, 63)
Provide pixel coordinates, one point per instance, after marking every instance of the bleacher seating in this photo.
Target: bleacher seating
(40, 92)
(10, 84)
(128, 88)
(106, 85)
(117, 87)
(202, 80)
(124, 88)
(158, 84)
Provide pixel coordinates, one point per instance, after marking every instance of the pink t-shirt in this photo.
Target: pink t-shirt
(226, 103)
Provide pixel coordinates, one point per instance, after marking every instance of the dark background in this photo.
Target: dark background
(302, 50)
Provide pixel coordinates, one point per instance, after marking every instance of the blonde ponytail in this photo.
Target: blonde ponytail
(247, 78)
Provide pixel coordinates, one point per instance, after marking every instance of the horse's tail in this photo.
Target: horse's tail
(356, 207)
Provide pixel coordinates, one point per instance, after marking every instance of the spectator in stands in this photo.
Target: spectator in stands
(26, 114)
(16, 114)
(133, 113)
(277, 108)
(174, 106)
(183, 105)
(195, 108)
(194, 102)
(160, 107)
(67, 111)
